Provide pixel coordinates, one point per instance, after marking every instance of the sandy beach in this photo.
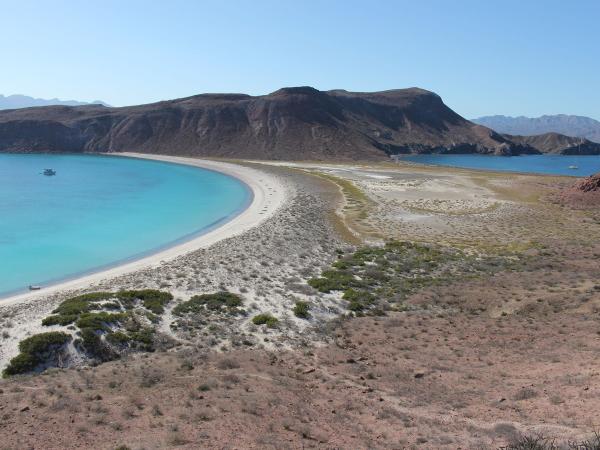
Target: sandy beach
(268, 194)
(26, 310)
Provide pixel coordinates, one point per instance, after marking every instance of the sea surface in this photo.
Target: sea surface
(99, 211)
(544, 164)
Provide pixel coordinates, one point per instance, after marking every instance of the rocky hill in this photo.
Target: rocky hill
(298, 123)
(557, 143)
(579, 126)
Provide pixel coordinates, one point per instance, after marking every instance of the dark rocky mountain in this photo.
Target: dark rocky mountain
(23, 101)
(578, 126)
(299, 123)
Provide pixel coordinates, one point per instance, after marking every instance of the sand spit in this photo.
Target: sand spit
(261, 255)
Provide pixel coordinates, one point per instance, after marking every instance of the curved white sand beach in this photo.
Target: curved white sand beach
(268, 195)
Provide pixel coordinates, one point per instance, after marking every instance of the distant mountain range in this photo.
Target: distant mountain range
(296, 123)
(578, 126)
(23, 101)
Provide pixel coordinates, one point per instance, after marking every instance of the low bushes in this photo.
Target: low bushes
(152, 299)
(224, 302)
(35, 350)
(265, 319)
(301, 309)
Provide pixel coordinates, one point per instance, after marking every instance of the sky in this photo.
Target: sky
(482, 57)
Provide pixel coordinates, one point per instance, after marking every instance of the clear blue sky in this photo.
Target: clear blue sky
(483, 57)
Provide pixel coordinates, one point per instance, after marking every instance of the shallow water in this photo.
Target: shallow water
(544, 164)
(101, 210)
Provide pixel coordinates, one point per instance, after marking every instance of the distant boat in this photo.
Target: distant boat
(573, 167)
(49, 172)
(34, 287)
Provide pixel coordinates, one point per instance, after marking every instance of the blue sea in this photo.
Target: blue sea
(543, 164)
(99, 211)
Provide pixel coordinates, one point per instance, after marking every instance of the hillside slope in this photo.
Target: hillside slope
(578, 126)
(299, 123)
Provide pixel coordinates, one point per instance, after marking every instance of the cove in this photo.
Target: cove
(101, 211)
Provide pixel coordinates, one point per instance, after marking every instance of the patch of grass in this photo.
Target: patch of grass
(265, 319)
(223, 302)
(34, 351)
(301, 309)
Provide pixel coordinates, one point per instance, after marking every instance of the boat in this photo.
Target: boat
(49, 172)
(573, 167)
(34, 287)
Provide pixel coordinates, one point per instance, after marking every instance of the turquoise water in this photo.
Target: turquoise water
(545, 164)
(100, 210)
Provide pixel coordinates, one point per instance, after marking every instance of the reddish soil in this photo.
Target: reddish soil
(472, 365)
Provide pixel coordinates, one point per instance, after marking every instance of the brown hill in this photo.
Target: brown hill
(299, 123)
(558, 143)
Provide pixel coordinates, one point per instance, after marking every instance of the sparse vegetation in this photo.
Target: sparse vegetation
(385, 275)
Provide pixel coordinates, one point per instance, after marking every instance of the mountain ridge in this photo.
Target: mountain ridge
(293, 123)
(18, 101)
(570, 125)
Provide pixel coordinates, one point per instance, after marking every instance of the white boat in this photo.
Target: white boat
(573, 167)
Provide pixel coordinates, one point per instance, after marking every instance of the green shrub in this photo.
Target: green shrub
(32, 351)
(100, 321)
(117, 338)
(218, 302)
(82, 303)
(39, 343)
(22, 363)
(301, 309)
(92, 344)
(59, 319)
(334, 280)
(144, 338)
(152, 299)
(265, 319)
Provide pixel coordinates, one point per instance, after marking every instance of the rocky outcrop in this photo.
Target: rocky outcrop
(585, 193)
(299, 123)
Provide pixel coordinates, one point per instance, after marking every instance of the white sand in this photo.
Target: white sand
(268, 193)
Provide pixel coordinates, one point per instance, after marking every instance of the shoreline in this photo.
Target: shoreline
(267, 194)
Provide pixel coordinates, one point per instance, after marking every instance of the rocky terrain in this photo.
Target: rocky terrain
(583, 194)
(299, 123)
(578, 126)
(558, 144)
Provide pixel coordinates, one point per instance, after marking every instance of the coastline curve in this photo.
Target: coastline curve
(267, 194)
